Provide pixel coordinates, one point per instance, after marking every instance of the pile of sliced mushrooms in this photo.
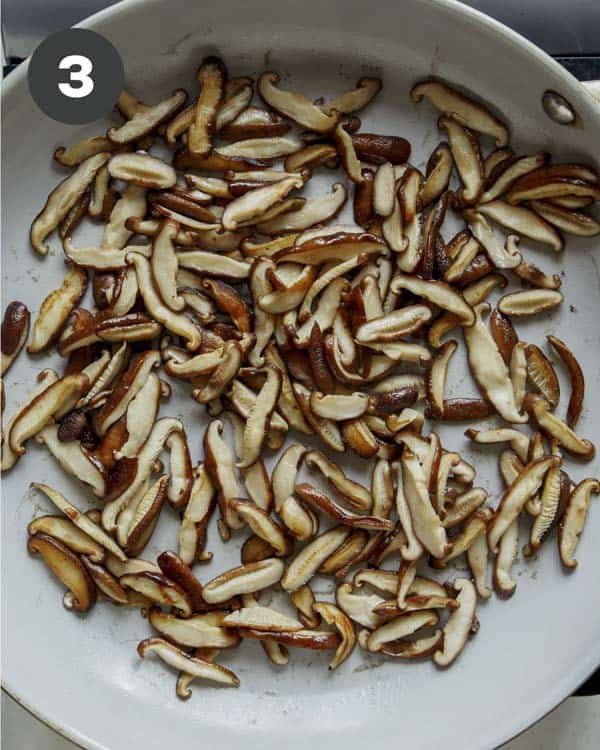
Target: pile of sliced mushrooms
(213, 267)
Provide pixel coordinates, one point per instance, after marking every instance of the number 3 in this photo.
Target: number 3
(81, 76)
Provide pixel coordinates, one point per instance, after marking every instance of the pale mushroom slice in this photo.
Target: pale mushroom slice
(177, 323)
(287, 404)
(438, 293)
(206, 630)
(523, 221)
(56, 308)
(140, 417)
(300, 521)
(242, 399)
(245, 579)
(261, 523)
(142, 467)
(65, 531)
(180, 465)
(467, 248)
(193, 666)
(261, 618)
(338, 406)
(508, 171)
(474, 527)
(276, 653)
(253, 204)
(220, 467)
(295, 106)
(68, 568)
(426, 524)
(394, 325)
(131, 206)
(142, 169)
(518, 372)
(214, 186)
(255, 122)
(459, 624)
(436, 376)
(324, 312)
(164, 265)
(63, 198)
(411, 548)
(462, 108)
(356, 99)
(196, 515)
(137, 521)
(211, 76)
(576, 377)
(336, 243)
(529, 302)
(258, 420)
(347, 153)
(518, 441)
(53, 402)
(399, 628)
(108, 368)
(359, 607)
(72, 156)
(384, 193)
(346, 555)
(15, 330)
(82, 521)
(572, 523)
(319, 500)
(129, 385)
(145, 121)
(159, 589)
(537, 187)
(383, 580)
(272, 147)
(504, 582)
(514, 498)
(285, 472)
(571, 222)
(474, 293)
(333, 615)
(489, 369)
(311, 156)
(314, 211)
(222, 375)
(256, 478)
(438, 173)
(102, 258)
(211, 264)
(306, 563)
(501, 257)
(466, 154)
(73, 459)
(352, 493)
(553, 427)
(382, 489)
(553, 500)
(324, 279)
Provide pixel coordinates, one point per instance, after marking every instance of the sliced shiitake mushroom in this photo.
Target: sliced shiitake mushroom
(438, 172)
(245, 579)
(15, 329)
(573, 520)
(65, 531)
(553, 427)
(191, 665)
(466, 154)
(541, 374)
(459, 624)
(576, 377)
(145, 120)
(295, 106)
(306, 563)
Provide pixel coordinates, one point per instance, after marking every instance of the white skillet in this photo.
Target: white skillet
(82, 675)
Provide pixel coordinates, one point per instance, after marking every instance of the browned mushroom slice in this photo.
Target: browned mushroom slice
(462, 108)
(534, 186)
(489, 369)
(255, 549)
(319, 500)
(414, 603)
(495, 159)
(436, 376)
(57, 399)
(303, 599)
(287, 404)
(377, 149)
(523, 221)
(438, 293)
(474, 527)
(464, 248)
(213, 265)
(306, 563)
(262, 148)
(553, 502)
(137, 521)
(573, 520)
(504, 334)
(191, 665)
(332, 615)
(363, 199)
(245, 579)
(63, 198)
(541, 374)
(314, 639)
(439, 170)
(314, 211)
(338, 246)
(144, 121)
(264, 527)
(338, 406)
(467, 158)
(101, 258)
(214, 186)
(220, 467)
(576, 376)
(459, 624)
(200, 364)
(215, 162)
(254, 122)
(356, 99)
(206, 630)
(185, 212)
(68, 568)
(384, 194)
(555, 428)
(180, 478)
(127, 389)
(359, 436)
(349, 159)
(507, 171)
(359, 607)
(159, 589)
(65, 531)
(572, 222)
(399, 628)
(253, 204)
(346, 555)
(535, 276)
(72, 156)
(222, 375)
(311, 156)
(514, 498)
(529, 302)
(15, 329)
(242, 399)
(323, 281)
(295, 106)
(78, 211)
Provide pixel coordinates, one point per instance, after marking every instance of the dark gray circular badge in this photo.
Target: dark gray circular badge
(75, 76)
